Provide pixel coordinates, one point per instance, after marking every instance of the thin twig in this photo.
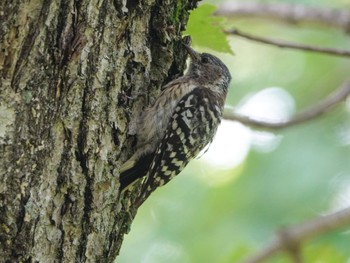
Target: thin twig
(297, 234)
(313, 112)
(290, 13)
(286, 44)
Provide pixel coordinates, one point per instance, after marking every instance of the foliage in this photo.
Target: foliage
(205, 30)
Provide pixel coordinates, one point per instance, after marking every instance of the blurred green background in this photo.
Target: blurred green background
(227, 204)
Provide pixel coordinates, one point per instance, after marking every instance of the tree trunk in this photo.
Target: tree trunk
(72, 75)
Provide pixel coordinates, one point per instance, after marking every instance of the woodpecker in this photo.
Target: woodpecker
(182, 121)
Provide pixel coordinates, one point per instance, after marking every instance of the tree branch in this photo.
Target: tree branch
(292, 237)
(291, 13)
(313, 112)
(286, 44)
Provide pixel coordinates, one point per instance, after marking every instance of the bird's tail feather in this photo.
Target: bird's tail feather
(131, 173)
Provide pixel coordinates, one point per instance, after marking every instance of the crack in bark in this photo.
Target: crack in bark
(20, 248)
(82, 158)
(28, 44)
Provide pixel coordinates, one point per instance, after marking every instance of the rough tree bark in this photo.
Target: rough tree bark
(72, 74)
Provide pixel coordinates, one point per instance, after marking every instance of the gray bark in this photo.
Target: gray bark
(72, 75)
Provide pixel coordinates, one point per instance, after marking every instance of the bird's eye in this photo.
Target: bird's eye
(204, 60)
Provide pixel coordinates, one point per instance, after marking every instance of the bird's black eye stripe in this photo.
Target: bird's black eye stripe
(204, 59)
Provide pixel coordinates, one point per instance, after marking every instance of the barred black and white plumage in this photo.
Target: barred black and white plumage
(182, 121)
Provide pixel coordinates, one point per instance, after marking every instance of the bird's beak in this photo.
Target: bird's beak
(195, 56)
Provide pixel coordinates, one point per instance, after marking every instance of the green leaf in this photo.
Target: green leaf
(205, 30)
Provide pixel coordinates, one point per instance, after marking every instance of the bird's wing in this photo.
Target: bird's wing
(191, 127)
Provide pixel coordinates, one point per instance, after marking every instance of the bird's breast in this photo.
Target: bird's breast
(153, 122)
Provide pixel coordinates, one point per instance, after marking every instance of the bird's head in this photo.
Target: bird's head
(208, 69)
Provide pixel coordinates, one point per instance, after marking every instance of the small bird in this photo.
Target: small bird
(182, 121)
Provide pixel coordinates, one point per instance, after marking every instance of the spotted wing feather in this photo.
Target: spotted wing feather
(191, 127)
